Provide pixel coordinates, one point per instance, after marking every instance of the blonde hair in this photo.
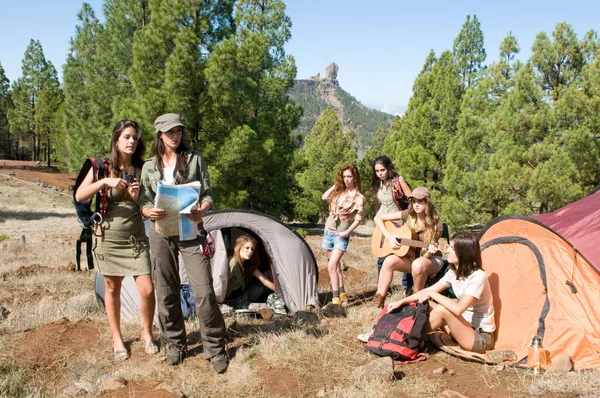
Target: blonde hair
(431, 219)
(252, 263)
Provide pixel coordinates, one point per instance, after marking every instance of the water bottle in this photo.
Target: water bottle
(536, 358)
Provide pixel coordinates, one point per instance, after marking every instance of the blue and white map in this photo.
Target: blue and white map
(177, 201)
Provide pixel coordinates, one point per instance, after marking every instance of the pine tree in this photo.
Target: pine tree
(247, 77)
(469, 52)
(37, 75)
(96, 79)
(365, 167)
(472, 196)
(84, 116)
(5, 101)
(327, 148)
(418, 141)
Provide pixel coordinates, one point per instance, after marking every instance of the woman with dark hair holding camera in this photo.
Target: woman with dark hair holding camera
(122, 247)
(175, 163)
(470, 320)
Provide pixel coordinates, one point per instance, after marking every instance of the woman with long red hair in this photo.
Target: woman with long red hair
(345, 213)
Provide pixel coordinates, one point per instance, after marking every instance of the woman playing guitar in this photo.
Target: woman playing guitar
(422, 219)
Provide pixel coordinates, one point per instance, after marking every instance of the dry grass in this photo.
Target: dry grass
(269, 359)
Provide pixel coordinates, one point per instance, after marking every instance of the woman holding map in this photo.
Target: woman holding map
(173, 162)
(121, 247)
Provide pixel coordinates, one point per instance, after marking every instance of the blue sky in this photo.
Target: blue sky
(379, 45)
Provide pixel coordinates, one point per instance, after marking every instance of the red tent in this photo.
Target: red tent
(579, 224)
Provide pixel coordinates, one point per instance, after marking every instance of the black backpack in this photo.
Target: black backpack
(90, 219)
(399, 334)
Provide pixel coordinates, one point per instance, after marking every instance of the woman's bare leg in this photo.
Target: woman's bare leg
(459, 328)
(422, 268)
(112, 301)
(390, 264)
(333, 267)
(147, 305)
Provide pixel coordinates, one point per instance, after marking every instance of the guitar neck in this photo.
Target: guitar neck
(412, 242)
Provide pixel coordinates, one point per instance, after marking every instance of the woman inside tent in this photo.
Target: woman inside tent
(345, 212)
(122, 247)
(470, 320)
(242, 289)
(421, 217)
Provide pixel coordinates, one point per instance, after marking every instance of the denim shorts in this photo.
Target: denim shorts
(332, 241)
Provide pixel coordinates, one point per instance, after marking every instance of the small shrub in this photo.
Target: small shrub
(4, 237)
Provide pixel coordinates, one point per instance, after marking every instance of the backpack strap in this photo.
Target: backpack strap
(421, 318)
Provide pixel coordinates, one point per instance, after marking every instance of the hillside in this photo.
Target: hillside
(316, 93)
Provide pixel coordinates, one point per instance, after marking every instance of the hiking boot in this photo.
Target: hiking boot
(335, 300)
(344, 299)
(379, 300)
(220, 363)
(175, 356)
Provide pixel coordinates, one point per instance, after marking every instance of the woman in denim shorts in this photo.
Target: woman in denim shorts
(345, 212)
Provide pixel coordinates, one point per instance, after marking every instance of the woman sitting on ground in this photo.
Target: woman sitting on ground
(421, 217)
(470, 320)
(243, 269)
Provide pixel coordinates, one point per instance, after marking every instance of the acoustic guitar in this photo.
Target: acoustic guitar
(405, 237)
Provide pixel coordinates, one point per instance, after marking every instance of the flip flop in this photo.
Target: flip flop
(151, 348)
(121, 354)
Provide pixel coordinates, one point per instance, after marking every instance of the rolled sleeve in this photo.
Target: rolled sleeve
(206, 194)
(146, 196)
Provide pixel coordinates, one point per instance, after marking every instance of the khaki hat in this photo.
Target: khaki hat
(167, 121)
(420, 193)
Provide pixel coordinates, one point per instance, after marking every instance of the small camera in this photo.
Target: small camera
(129, 177)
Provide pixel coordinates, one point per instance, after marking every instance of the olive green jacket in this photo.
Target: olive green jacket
(196, 171)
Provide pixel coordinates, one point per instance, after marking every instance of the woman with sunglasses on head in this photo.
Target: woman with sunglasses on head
(422, 219)
(345, 212)
(470, 320)
(174, 162)
(122, 247)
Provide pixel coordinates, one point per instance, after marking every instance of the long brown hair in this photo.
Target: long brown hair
(158, 150)
(137, 159)
(247, 266)
(389, 166)
(466, 247)
(431, 219)
(339, 180)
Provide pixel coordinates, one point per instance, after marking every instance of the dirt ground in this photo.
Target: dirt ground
(31, 171)
(61, 353)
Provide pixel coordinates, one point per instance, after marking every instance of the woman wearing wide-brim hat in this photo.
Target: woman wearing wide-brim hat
(175, 163)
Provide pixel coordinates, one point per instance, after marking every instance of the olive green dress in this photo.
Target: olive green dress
(123, 249)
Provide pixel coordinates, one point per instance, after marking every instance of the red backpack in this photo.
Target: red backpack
(399, 334)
